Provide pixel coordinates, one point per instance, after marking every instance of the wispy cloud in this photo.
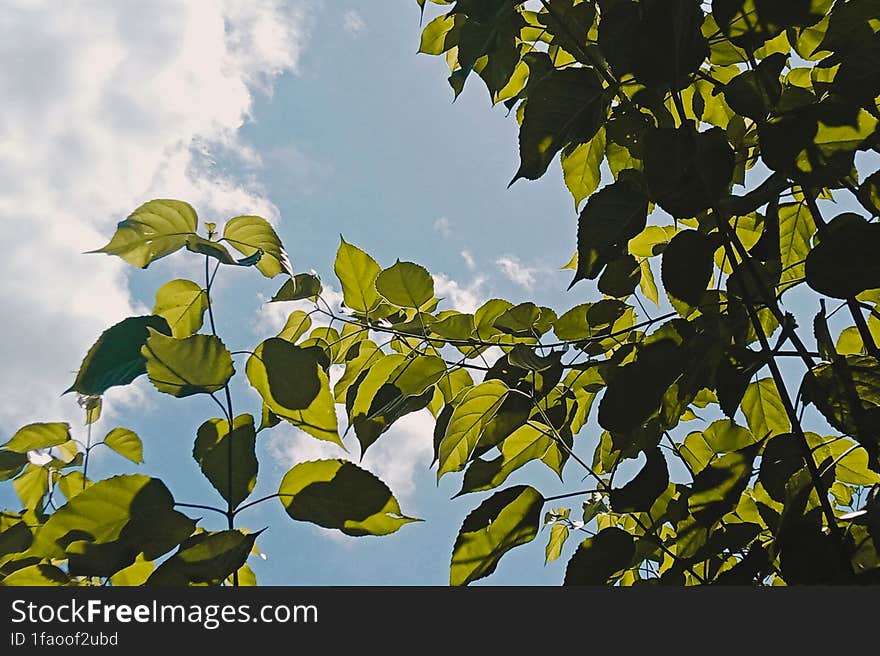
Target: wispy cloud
(462, 297)
(106, 105)
(517, 272)
(468, 260)
(353, 22)
(443, 226)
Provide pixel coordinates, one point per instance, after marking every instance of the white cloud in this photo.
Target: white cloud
(353, 22)
(271, 317)
(465, 298)
(108, 104)
(517, 272)
(469, 260)
(443, 226)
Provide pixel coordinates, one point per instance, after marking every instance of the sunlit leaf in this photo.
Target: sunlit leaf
(182, 303)
(250, 234)
(126, 443)
(227, 458)
(199, 364)
(38, 436)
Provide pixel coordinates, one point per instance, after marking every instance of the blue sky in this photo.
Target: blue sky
(320, 116)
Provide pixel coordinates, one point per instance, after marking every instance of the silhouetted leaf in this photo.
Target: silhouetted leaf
(687, 266)
(845, 262)
(505, 520)
(227, 458)
(598, 559)
(717, 488)
(640, 493)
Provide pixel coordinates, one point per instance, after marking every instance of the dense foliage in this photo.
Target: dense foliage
(709, 143)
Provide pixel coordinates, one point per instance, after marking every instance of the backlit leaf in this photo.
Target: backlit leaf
(199, 364)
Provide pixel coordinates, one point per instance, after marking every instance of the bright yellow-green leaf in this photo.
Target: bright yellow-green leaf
(93, 406)
(38, 436)
(522, 446)
(368, 354)
(155, 229)
(558, 536)
(796, 230)
(250, 234)
(126, 443)
(466, 425)
(72, 483)
(763, 409)
(505, 520)
(435, 35)
(340, 495)
(647, 284)
(298, 323)
(199, 364)
(850, 342)
(406, 285)
(651, 241)
(357, 273)
(182, 303)
(580, 167)
(32, 485)
(135, 574)
(41, 575)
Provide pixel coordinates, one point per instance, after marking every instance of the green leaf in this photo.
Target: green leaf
(40, 575)
(135, 574)
(564, 106)
(294, 387)
(155, 229)
(208, 557)
(717, 488)
(658, 41)
(11, 463)
(639, 494)
(581, 166)
(116, 359)
(182, 303)
(297, 324)
(796, 230)
(134, 512)
(406, 285)
(611, 217)
(38, 436)
(763, 409)
(202, 246)
(687, 266)
(199, 364)
(505, 520)
(522, 446)
(357, 273)
(558, 536)
(687, 171)
(126, 443)
(621, 277)
(440, 34)
(228, 459)
(338, 494)
(845, 262)
(722, 436)
(466, 425)
(251, 234)
(601, 558)
(32, 485)
(302, 285)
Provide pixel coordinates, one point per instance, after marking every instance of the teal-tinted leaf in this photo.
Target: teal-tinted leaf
(205, 558)
(466, 425)
(406, 285)
(11, 463)
(687, 266)
(845, 262)
(687, 171)
(357, 273)
(611, 217)
(505, 520)
(155, 229)
(717, 488)
(564, 106)
(252, 234)
(639, 494)
(182, 303)
(199, 364)
(338, 494)
(38, 436)
(116, 359)
(126, 443)
(227, 458)
(601, 558)
(302, 285)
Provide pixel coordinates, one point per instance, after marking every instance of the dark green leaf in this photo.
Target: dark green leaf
(205, 558)
(639, 494)
(505, 520)
(11, 463)
(687, 266)
(339, 494)
(717, 489)
(228, 459)
(621, 277)
(845, 262)
(599, 559)
(302, 285)
(116, 359)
